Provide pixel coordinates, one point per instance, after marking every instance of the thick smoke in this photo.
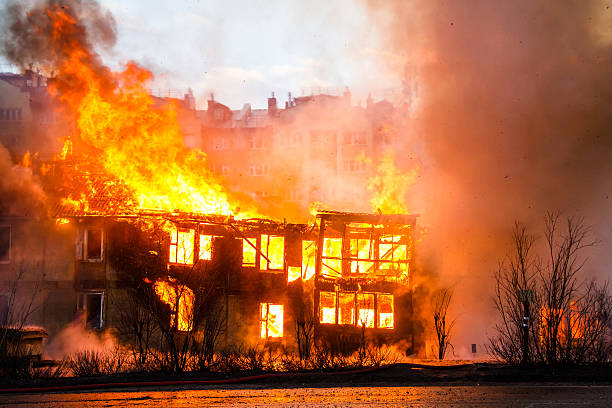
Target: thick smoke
(515, 111)
(20, 192)
(28, 38)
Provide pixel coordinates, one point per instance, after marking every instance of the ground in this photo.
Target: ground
(399, 385)
(522, 395)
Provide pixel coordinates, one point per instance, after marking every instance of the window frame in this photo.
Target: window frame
(82, 305)
(264, 322)
(178, 230)
(82, 242)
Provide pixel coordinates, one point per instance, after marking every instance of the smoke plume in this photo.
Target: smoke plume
(515, 112)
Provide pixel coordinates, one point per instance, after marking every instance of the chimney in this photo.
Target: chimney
(272, 105)
(369, 102)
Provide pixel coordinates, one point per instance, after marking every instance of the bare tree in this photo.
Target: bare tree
(440, 301)
(547, 314)
(516, 299)
(136, 325)
(302, 310)
(559, 280)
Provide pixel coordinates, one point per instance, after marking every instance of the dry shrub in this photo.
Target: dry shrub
(89, 363)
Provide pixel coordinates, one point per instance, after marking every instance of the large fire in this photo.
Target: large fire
(136, 143)
(120, 129)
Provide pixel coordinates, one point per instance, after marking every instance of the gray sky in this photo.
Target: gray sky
(244, 50)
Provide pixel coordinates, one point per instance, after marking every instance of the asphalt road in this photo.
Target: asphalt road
(532, 396)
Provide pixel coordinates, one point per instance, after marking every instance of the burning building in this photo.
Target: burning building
(145, 216)
(345, 275)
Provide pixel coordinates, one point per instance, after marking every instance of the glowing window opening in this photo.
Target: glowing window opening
(178, 297)
(182, 242)
(327, 307)
(365, 305)
(346, 308)
(271, 322)
(332, 257)
(385, 310)
(205, 253)
(273, 248)
(362, 255)
(249, 253)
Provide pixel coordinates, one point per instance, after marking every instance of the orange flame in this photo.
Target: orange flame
(121, 129)
(178, 297)
(389, 186)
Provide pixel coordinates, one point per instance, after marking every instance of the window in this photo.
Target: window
(94, 244)
(225, 170)
(332, 257)
(257, 142)
(358, 309)
(274, 249)
(308, 259)
(346, 308)
(249, 252)
(91, 304)
(205, 253)
(355, 138)
(271, 320)
(393, 255)
(327, 307)
(258, 170)
(90, 244)
(178, 297)
(355, 166)
(361, 252)
(181, 246)
(385, 311)
(5, 243)
(365, 305)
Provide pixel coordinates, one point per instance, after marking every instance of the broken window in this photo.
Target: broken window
(272, 248)
(361, 252)
(249, 252)
(385, 311)
(94, 244)
(205, 253)
(394, 255)
(91, 304)
(365, 305)
(271, 320)
(89, 244)
(5, 243)
(181, 246)
(346, 308)
(327, 307)
(180, 298)
(332, 257)
(308, 259)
